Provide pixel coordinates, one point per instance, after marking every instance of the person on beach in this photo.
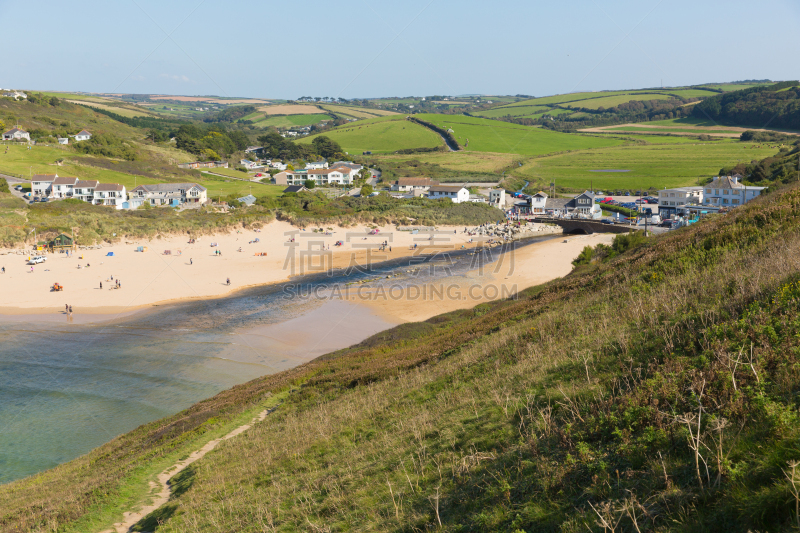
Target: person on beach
(101, 285)
(190, 261)
(4, 270)
(70, 310)
(229, 281)
(66, 308)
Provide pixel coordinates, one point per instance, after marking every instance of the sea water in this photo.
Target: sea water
(67, 388)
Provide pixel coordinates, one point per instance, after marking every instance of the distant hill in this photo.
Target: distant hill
(773, 106)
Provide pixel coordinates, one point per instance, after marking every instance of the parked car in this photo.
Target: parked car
(36, 259)
(18, 188)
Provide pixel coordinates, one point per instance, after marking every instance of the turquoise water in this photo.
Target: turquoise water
(67, 388)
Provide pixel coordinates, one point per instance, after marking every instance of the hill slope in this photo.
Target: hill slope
(655, 388)
(381, 135)
(774, 106)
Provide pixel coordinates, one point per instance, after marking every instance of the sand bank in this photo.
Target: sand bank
(197, 270)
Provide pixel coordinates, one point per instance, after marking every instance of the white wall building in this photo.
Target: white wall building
(456, 193)
(316, 165)
(671, 200)
(63, 186)
(110, 194)
(83, 135)
(84, 190)
(727, 191)
(497, 198)
(42, 184)
(173, 194)
(16, 134)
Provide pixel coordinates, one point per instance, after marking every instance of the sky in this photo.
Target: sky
(377, 48)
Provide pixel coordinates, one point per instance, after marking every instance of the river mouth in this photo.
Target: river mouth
(66, 388)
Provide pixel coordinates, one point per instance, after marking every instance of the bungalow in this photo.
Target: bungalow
(278, 165)
(413, 184)
(457, 193)
(173, 194)
(728, 191)
(253, 149)
(251, 165)
(110, 194)
(42, 184)
(247, 200)
(84, 190)
(63, 186)
(534, 205)
(16, 134)
(63, 140)
(83, 135)
(294, 189)
(316, 165)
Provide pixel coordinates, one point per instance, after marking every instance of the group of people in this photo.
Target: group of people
(117, 282)
(68, 309)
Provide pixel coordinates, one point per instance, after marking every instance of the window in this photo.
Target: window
(724, 200)
(736, 201)
(716, 191)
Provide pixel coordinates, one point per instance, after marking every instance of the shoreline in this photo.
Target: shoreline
(186, 287)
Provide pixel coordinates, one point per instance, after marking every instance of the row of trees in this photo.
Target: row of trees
(277, 147)
(211, 142)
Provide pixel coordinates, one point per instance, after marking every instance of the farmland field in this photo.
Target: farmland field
(458, 161)
(518, 111)
(381, 135)
(691, 93)
(356, 112)
(484, 135)
(290, 109)
(655, 166)
(125, 111)
(613, 101)
(289, 121)
(727, 87)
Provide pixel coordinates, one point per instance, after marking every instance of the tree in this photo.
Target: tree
(310, 184)
(211, 155)
(366, 190)
(326, 147)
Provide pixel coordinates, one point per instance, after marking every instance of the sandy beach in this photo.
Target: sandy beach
(514, 271)
(199, 270)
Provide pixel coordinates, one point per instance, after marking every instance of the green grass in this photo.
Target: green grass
(613, 101)
(486, 135)
(658, 166)
(289, 121)
(381, 135)
(518, 111)
(691, 93)
(669, 130)
(728, 87)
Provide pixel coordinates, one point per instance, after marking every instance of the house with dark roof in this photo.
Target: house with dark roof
(457, 194)
(62, 187)
(247, 200)
(582, 204)
(173, 194)
(16, 134)
(84, 190)
(294, 188)
(83, 135)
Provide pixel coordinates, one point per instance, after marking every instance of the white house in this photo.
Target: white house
(456, 193)
(316, 165)
(251, 165)
(16, 134)
(173, 194)
(330, 176)
(83, 135)
(63, 186)
(538, 203)
(42, 184)
(671, 200)
(497, 198)
(727, 191)
(63, 140)
(110, 194)
(84, 190)
(413, 184)
(278, 165)
(15, 95)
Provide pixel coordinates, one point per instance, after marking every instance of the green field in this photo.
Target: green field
(289, 121)
(486, 135)
(728, 87)
(696, 131)
(691, 93)
(656, 166)
(613, 101)
(381, 135)
(518, 111)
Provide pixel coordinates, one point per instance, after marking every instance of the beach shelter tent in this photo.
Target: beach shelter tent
(110, 254)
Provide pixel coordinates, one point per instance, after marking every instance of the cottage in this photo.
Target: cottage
(413, 184)
(729, 191)
(247, 200)
(83, 135)
(63, 140)
(110, 194)
(16, 134)
(62, 241)
(457, 194)
(173, 194)
(583, 204)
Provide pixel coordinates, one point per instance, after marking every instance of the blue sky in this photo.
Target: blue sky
(354, 48)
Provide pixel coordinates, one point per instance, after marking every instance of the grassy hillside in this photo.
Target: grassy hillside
(775, 106)
(381, 135)
(482, 135)
(653, 389)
